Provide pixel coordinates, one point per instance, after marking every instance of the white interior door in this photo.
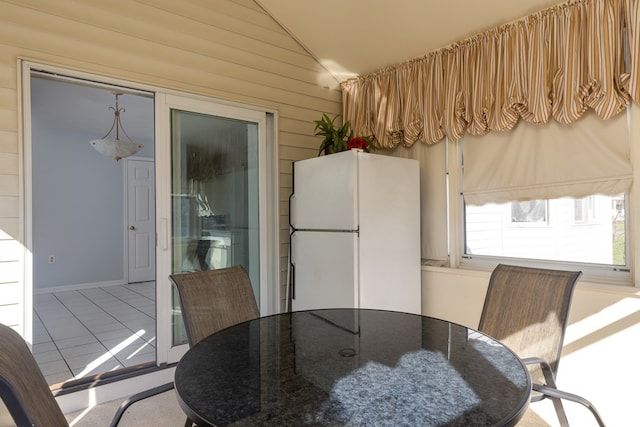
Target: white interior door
(141, 220)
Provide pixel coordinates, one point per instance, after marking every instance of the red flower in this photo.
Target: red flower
(358, 143)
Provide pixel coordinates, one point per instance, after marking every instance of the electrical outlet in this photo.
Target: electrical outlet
(52, 259)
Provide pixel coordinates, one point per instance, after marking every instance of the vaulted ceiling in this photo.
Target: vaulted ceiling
(349, 37)
(357, 37)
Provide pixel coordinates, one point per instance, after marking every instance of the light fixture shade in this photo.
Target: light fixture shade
(116, 148)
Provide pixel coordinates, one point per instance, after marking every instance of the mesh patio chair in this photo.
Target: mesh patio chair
(23, 388)
(527, 309)
(210, 301)
(214, 299)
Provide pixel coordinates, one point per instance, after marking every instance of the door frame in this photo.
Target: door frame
(268, 206)
(269, 245)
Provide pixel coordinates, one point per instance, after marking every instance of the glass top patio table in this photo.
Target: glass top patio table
(354, 367)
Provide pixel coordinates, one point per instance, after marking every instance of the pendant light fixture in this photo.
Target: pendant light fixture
(116, 148)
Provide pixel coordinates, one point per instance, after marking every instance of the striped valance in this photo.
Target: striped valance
(557, 63)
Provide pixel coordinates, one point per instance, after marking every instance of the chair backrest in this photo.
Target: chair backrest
(23, 388)
(212, 300)
(527, 309)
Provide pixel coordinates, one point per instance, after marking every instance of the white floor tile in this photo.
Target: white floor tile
(40, 337)
(98, 366)
(80, 350)
(48, 356)
(44, 347)
(124, 349)
(122, 334)
(70, 331)
(59, 377)
(105, 327)
(53, 367)
(137, 360)
(79, 340)
(69, 325)
(91, 360)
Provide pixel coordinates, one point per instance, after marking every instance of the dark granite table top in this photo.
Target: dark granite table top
(348, 367)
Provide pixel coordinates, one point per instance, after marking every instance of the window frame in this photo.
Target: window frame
(598, 273)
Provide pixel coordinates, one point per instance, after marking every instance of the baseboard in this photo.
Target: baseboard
(78, 286)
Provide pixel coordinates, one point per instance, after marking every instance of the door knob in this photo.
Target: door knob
(131, 227)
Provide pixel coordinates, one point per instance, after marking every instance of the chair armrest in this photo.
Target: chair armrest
(546, 369)
(558, 394)
(533, 360)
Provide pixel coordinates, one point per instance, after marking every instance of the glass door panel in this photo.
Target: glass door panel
(214, 199)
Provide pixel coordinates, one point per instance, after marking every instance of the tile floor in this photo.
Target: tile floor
(85, 332)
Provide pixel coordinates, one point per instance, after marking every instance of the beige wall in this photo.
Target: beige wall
(227, 49)
(601, 345)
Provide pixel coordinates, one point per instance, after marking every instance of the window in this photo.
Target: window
(549, 194)
(563, 229)
(532, 211)
(584, 211)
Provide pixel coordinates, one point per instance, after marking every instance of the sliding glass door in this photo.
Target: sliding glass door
(214, 198)
(216, 206)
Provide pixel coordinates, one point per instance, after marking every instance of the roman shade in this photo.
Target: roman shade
(590, 156)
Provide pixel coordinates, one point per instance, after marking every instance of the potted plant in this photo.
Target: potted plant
(337, 139)
(334, 138)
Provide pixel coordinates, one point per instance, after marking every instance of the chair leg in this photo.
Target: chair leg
(561, 414)
(557, 394)
(550, 383)
(137, 397)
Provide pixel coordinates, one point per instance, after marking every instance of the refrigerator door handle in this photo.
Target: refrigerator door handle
(291, 198)
(292, 276)
(292, 195)
(293, 282)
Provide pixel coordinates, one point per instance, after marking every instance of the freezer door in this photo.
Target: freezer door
(324, 192)
(324, 270)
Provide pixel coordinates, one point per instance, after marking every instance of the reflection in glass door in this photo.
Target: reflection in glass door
(214, 199)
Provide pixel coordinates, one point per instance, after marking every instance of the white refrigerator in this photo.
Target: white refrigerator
(355, 233)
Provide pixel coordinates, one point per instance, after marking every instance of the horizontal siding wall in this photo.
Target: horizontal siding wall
(11, 253)
(226, 49)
